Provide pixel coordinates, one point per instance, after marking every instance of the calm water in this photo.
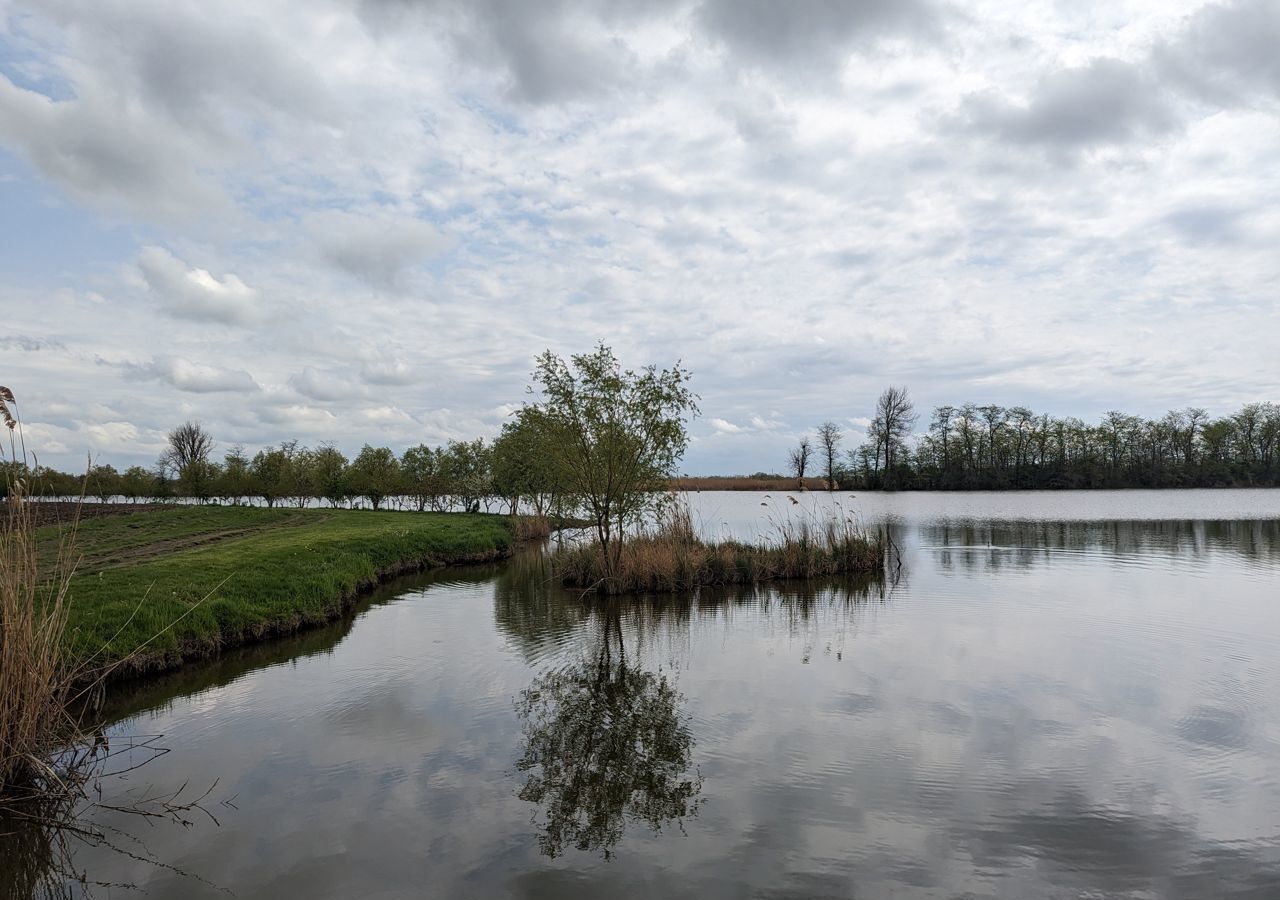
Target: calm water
(1059, 695)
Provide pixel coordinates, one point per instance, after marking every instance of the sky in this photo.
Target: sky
(360, 220)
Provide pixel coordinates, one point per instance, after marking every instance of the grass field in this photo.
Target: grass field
(183, 582)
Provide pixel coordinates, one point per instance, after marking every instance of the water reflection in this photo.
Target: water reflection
(991, 546)
(605, 743)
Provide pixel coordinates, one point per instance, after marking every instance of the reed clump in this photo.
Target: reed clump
(671, 557)
(36, 683)
(531, 528)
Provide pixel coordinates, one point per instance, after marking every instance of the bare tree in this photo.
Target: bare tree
(829, 438)
(189, 444)
(895, 415)
(798, 458)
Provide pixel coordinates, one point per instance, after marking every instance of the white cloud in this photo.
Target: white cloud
(387, 372)
(191, 293)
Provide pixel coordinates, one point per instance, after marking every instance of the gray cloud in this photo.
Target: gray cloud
(1228, 53)
(29, 344)
(1207, 223)
(192, 377)
(379, 247)
(190, 293)
(1109, 101)
(548, 52)
(107, 152)
(812, 33)
(319, 386)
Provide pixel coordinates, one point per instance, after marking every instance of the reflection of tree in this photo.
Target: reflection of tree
(605, 742)
(531, 608)
(988, 546)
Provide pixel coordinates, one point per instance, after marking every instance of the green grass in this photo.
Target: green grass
(188, 581)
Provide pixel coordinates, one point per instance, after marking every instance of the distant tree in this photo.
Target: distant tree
(422, 469)
(466, 467)
(187, 458)
(103, 482)
(269, 473)
(829, 438)
(135, 483)
(327, 474)
(615, 435)
(189, 443)
(894, 418)
(798, 458)
(375, 474)
(234, 483)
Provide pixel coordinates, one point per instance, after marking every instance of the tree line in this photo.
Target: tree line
(992, 447)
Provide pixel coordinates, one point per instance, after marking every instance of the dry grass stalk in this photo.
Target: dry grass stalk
(36, 685)
(531, 528)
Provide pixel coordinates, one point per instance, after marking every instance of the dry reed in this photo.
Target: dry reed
(36, 685)
(531, 528)
(671, 557)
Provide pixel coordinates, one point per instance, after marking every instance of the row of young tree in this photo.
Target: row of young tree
(991, 447)
(459, 475)
(595, 442)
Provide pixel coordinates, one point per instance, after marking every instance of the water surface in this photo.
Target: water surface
(1058, 695)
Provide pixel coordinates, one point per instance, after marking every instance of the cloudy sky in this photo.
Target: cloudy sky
(360, 220)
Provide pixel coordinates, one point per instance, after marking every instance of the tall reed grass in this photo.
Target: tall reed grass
(36, 683)
(671, 556)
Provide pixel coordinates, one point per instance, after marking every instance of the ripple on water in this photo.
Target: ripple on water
(1215, 727)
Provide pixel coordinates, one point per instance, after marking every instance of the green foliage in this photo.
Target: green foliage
(374, 474)
(523, 467)
(270, 474)
(423, 471)
(614, 436)
(467, 473)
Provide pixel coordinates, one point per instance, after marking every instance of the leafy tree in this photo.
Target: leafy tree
(616, 435)
(375, 474)
(522, 466)
(327, 474)
(135, 483)
(467, 472)
(422, 469)
(269, 471)
(235, 481)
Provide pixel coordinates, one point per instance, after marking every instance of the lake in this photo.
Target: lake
(1052, 695)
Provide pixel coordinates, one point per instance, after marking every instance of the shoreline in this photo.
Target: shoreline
(161, 589)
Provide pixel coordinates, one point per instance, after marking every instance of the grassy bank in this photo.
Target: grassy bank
(673, 558)
(185, 582)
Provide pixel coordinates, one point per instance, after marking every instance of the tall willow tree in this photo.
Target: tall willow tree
(614, 435)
